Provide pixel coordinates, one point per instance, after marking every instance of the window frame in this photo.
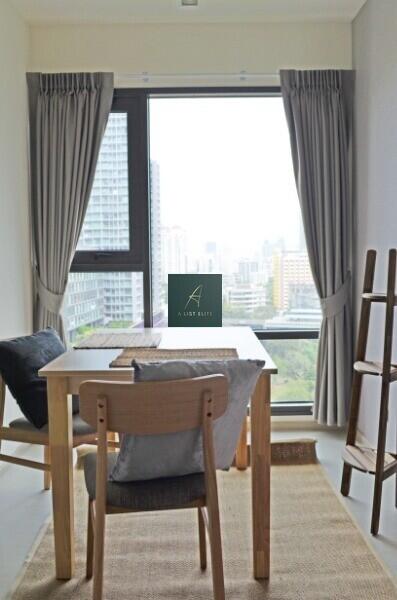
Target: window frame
(138, 258)
(135, 102)
(133, 258)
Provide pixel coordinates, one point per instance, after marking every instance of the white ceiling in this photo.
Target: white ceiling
(170, 11)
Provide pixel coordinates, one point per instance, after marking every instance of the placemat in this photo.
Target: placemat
(120, 340)
(152, 354)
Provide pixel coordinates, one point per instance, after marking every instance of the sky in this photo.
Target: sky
(226, 171)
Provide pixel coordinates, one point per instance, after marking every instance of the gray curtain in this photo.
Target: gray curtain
(68, 113)
(318, 107)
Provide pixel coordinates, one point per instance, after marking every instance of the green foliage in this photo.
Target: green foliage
(118, 324)
(233, 312)
(83, 332)
(261, 313)
(86, 330)
(296, 362)
(267, 311)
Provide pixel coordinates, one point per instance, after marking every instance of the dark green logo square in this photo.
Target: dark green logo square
(195, 300)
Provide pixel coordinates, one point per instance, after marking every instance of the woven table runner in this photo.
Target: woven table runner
(152, 354)
(120, 340)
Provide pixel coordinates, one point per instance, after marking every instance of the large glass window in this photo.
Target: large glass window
(224, 201)
(190, 183)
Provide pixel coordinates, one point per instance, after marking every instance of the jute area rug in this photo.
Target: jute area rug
(317, 551)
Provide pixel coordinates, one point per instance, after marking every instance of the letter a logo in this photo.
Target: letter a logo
(195, 296)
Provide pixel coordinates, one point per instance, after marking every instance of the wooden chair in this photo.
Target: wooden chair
(20, 430)
(143, 409)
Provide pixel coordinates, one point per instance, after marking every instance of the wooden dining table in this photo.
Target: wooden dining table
(64, 376)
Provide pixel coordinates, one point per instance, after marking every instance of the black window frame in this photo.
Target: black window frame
(137, 259)
(135, 102)
(133, 258)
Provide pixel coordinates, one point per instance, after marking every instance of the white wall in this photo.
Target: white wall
(15, 281)
(375, 60)
(211, 48)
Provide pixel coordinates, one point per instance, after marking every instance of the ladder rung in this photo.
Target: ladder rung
(375, 297)
(368, 367)
(364, 459)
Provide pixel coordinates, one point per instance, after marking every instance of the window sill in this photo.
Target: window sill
(297, 422)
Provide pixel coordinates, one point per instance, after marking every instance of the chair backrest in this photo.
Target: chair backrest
(154, 407)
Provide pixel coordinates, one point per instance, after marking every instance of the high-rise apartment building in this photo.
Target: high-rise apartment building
(156, 242)
(247, 271)
(174, 250)
(290, 271)
(247, 298)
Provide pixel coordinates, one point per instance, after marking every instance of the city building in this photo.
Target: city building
(84, 302)
(247, 270)
(156, 238)
(291, 269)
(246, 298)
(174, 250)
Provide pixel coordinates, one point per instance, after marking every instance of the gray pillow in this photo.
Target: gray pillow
(168, 455)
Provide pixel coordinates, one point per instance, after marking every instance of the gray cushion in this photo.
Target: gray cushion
(20, 361)
(80, 427)
(152, 494)
(170, 455)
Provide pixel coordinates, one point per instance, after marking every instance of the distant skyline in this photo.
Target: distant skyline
(226, 171)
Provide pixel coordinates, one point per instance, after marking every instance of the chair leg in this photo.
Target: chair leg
(242, 448)
(90, 542)
(99, 548)
(216, 553)
(346, 479)
(47, 474)
(202, 540)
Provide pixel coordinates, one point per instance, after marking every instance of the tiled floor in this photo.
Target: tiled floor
(24, 507)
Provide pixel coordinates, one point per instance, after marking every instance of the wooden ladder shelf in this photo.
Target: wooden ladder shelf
(377, 462)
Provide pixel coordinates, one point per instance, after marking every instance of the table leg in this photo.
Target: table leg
(242, 449)
(61, 449)
(113, 437)
(260, 465)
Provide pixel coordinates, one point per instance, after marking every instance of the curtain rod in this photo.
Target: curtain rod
(241, 75)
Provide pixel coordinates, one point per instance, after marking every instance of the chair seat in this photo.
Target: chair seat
(80, 427)
(154, 494)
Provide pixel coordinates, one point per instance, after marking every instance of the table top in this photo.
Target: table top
(96, 362)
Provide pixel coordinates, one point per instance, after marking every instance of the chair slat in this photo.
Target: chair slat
(153, 407)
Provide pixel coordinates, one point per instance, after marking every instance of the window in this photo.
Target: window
(174, 172)
(294, 385)
(224, 201)
(112, 237)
